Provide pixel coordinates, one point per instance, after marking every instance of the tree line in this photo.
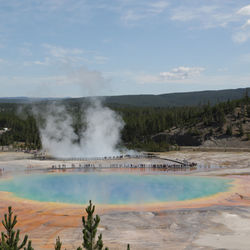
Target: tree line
(141, 123)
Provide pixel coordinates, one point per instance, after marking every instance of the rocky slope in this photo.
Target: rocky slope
(235, 132)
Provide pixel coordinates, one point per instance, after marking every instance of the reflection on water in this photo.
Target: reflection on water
(112, 188)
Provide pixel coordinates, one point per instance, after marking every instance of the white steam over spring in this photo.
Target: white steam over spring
(99, 137)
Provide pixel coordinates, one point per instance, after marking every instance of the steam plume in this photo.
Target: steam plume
(99, 137)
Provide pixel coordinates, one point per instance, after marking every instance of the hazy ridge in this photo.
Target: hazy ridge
(162, 100)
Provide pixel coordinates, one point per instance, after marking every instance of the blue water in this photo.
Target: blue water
(111, 188)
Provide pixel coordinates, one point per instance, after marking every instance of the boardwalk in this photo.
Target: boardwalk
(138, 161)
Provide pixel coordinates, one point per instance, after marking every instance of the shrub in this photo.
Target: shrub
(10, 239)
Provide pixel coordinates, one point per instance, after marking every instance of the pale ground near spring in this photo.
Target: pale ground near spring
(221, 222)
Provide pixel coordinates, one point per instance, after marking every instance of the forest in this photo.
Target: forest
(141, 123)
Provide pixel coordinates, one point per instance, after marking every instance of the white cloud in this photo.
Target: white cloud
(2, 61)
(45, 62)
(244, 11)
(181, 73)
(247, 24)
(206, 16)
(64, 55)
(243, 33)
(241, 36)
(216, 14)
(43, 6)
(158, 7)
(80, 11)
(60, 52)
(131, 16)
(176, 74)
(41, 11)
(191, 13)
(60, 56)
(132, 11)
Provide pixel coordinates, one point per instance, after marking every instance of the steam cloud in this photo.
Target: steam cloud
(98, 129)
(100, 136)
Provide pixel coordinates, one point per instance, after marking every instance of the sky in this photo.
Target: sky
(74, 48)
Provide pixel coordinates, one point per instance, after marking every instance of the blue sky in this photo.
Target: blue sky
(78, 48)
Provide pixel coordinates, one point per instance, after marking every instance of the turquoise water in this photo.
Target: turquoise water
(111, 188)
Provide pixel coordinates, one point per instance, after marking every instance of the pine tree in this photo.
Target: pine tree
(90, 225)
(10, 239)
(90, 229)
(246, 97)
(229, 130)
(58, 244)
(248, 111)
(241, 130)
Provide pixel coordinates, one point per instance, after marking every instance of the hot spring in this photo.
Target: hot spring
(111, 188)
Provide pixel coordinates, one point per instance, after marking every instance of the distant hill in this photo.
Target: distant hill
(162, 100)
(22, 99)
(14, 100)
(179, 99)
